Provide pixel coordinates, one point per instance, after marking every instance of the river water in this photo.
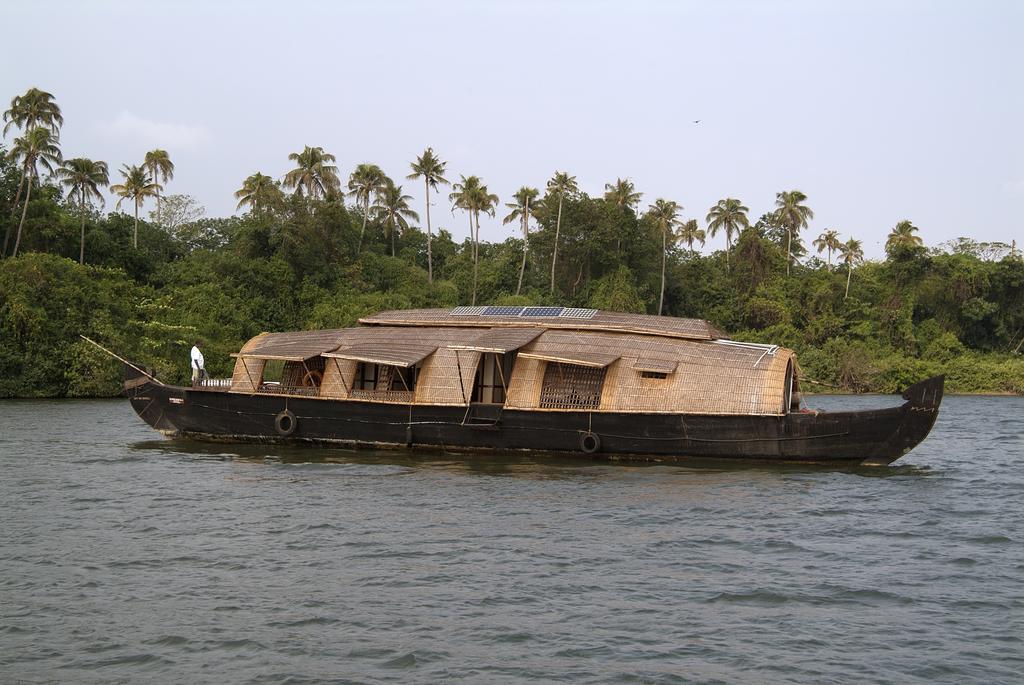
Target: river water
(125, 557)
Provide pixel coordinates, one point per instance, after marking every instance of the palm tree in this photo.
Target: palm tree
(902, 235)
(313, 177)
(791, 213)
(392, 208)
(366, 180)
(137, 186)
(34, 109)
(829, 240)
(851, 253)
(622, 193)
(160, 167)
(690, 233)
(729, 215)
(258, 192)
(431, 169)
(665, 214)
(524, 198)
(38, 146)
(83, 177)
(471, 195)
(560, 184)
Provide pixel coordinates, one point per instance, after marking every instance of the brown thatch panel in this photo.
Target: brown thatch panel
(393, 353)
(247, 374)
(525, 384)
(500, 340)
(297, 346)
(695, 329)
(578, 357)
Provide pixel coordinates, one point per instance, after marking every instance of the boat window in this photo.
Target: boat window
(653, 374)
(292, 377)
(571, 386)
(384, 382)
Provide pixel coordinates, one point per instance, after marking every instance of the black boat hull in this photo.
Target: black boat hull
(875, 437)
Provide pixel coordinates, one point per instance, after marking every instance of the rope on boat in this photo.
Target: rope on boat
(121, 359)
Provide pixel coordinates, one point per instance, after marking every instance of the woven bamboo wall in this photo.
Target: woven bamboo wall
(247, 381)
(524, 386)
(439, 377)
(338, 377)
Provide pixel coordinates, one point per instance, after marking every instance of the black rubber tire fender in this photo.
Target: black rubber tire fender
(590, 442)
(285, 423)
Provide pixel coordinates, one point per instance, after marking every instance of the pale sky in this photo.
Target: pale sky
(878, 111)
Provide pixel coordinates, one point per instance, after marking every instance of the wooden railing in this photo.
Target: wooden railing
(278, 389)
(216, 383)
(399, 396)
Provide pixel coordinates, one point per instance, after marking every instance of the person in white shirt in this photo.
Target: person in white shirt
(198, 372)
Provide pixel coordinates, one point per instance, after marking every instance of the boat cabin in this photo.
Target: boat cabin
(525, 358)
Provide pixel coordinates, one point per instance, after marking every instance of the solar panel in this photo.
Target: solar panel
(501, 311)
(577, 313)
(467, 311)
(542, 311)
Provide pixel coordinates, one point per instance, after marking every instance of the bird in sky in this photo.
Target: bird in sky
(696, 121)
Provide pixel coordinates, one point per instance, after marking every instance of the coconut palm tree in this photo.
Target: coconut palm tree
(471, 195)
(525, 198)
(430, 168)
(729, 215)
(161, 169)
(665, 215)
(137, 186)
(366, 180)
(829, 240)
(560, 184)
(851, 253)
(258, 192)
(314, 176)
(83, 178)
(392, 209)
(34, 109)
(36, 147)
(902, 235)
(794, 215)
(622, 193)
(690, 233)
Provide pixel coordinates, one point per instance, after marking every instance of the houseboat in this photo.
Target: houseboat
(549, 380)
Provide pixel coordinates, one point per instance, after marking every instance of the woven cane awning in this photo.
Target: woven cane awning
(655, 365)
(580, 358)
(392, 354)
(500, 340)
(291, 347)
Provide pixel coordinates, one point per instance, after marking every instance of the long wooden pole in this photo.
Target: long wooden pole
(122, 359)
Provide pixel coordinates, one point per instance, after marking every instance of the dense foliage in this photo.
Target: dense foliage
(309, 260)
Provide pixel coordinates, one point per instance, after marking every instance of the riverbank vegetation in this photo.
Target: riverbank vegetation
(321, 248)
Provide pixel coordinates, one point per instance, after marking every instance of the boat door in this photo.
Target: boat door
(490, 386)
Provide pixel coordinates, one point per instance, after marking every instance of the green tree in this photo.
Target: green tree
(560, 184)
(259, 193)
(665, 214)
(431, 169)
(902, 236)
(137, 186)
(392, 209)
(829, 240)
(314, 176)
(729, 215)
(83, 178)
(367, 180)
(792, 213)
(690, 232)
(851, 253)
(622, 193)
(37, 146)
(35, 109)
(161, 169)
(524, 198)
